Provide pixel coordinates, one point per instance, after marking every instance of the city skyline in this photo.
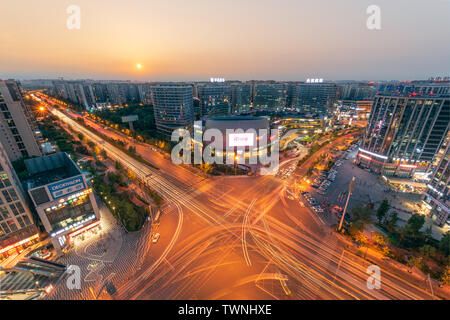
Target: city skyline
(211, 151)
(288, 40)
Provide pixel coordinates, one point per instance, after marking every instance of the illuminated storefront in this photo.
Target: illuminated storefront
(19, 246)
(63, 199)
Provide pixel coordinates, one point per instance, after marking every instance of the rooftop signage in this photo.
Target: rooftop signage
(65, 187)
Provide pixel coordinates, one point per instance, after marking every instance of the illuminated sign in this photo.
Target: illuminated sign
(86, 228)
(314, 80)
(408, 166)
(15, 245)
(365, 157)
(217, 79)
(241, 139)
(64, 201)
(66, 187)
(73, 227)
(373, 154)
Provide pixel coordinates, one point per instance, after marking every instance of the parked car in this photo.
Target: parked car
(317, 208)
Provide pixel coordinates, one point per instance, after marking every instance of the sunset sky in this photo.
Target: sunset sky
(234, 39)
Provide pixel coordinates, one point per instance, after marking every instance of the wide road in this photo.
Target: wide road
(242, 238)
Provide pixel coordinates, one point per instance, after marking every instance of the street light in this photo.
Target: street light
(350, 189)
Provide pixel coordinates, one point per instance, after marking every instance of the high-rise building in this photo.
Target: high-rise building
(17, 229)
(145, 93)
(270, 96)
(241, 97)
(437, 195)
(173, 108)
(357, 91)
(437, 87)
(405, 133)
(18, 133)
(314, 98)
(215, 99)
(115, 94)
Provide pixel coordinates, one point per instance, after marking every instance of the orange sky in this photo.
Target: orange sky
(246, 39)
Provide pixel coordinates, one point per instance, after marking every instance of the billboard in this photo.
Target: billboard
(66, 187)
(241, 139)
(130, 118)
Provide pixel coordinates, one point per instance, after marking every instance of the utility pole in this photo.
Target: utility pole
(350, 189)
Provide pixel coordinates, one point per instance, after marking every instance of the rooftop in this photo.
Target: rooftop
(48, 169)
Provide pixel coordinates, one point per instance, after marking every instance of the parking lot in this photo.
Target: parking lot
(331, 192)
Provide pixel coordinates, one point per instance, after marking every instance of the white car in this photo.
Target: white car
(156, 237)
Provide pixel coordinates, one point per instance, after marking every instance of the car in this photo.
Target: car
(317, 208)
(43, 254)
(315, 186)
(322, 192)
(155, 237)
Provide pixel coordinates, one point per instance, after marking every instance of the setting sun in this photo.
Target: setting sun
(139, 66)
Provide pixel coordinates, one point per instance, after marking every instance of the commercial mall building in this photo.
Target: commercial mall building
(62, 197)
(249, 138)
(405, 133)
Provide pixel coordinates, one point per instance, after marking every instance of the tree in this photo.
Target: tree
(415, 223)
(391, 223)
(81, 136)
(410, 234)
(131, 175)
(427, 251)
(103, 153)
(445, 279)
(361, 239)
(361, 216)
(415, 262)
(444, 244)
(382, 210)
(118, 166)
(380, 240)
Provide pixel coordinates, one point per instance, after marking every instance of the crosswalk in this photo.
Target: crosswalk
(119, 267)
